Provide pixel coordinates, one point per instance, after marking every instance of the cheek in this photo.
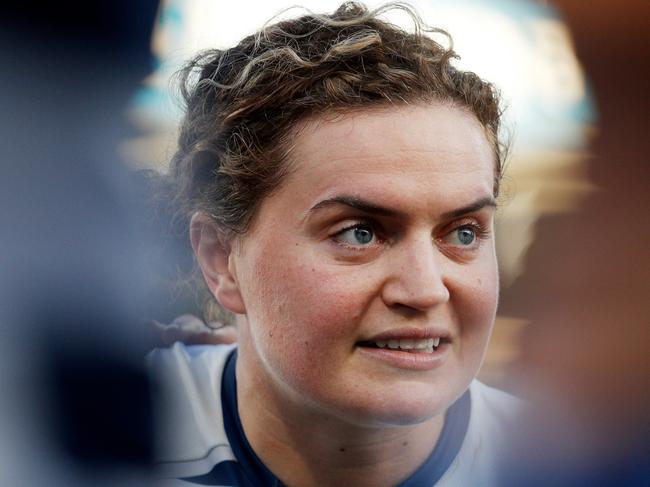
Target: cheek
(477, 293)
(299, 309)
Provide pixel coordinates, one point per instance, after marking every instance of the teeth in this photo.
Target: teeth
(425, 345)
(424, 350)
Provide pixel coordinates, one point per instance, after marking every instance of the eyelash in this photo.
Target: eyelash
(374, 226)
(480, 230)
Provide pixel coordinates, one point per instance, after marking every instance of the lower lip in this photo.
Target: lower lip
(408, 360)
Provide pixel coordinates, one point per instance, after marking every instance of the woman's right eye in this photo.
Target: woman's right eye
(356, 236)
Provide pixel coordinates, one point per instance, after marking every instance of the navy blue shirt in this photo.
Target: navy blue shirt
(249, 471)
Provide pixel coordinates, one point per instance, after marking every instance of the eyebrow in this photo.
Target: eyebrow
(373, 209)
(357, 203)
(479, 204)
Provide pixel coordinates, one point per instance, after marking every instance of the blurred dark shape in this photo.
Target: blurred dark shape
(75, 275)
(586, 288)
(101, 405)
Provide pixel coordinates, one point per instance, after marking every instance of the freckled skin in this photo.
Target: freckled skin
(308, 303)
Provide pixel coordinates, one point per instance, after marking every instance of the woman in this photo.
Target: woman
(341, 179)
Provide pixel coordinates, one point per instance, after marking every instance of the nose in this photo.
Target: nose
(415, 277)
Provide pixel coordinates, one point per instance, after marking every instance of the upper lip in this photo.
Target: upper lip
(415, 333)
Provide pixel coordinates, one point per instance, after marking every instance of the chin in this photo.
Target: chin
(397, 409)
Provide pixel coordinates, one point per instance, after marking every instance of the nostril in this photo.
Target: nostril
(412, 295)
(408, 312)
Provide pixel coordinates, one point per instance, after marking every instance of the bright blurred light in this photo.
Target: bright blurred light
(521, 46)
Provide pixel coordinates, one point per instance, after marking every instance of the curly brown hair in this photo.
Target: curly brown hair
(243, 104)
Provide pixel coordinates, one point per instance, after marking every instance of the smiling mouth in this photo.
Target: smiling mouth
(423, 345)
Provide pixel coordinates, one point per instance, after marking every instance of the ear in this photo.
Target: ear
(214, 256)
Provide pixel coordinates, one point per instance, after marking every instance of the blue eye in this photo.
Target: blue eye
(463, 236)
(358, 235)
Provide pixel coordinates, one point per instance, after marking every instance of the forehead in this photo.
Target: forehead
(435, 153)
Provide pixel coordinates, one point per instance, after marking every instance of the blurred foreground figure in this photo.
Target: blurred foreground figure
(587, 284)
(74, 403)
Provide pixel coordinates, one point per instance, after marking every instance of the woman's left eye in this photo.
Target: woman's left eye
(465, 236)
(357, 236)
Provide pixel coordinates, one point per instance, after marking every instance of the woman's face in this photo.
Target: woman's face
(380, 240)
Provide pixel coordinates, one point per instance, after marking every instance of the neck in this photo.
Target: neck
(302, 445)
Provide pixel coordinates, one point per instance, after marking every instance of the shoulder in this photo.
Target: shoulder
(184, 356)
(493, 415)
(493, 404)
(191, 436)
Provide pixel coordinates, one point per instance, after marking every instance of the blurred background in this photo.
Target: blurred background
(86, 257)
